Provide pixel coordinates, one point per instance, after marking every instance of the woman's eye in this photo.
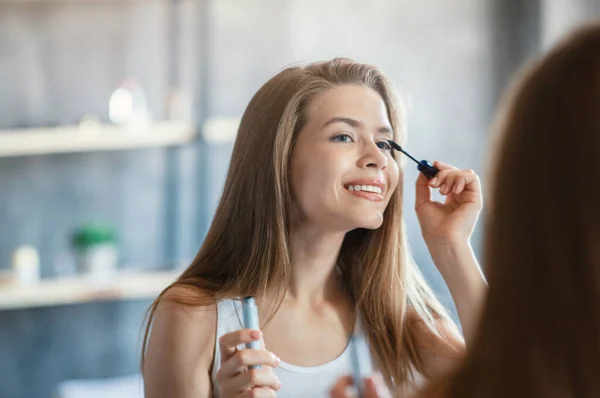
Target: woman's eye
(384, 146)
(342, 138)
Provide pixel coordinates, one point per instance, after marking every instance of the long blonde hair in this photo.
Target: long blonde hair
(247, 249)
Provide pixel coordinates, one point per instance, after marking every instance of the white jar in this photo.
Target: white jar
(98, 262)
(26, 265)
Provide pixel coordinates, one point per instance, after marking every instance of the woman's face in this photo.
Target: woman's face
(342, 170)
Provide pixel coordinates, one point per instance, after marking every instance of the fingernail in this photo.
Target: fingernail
(456, 189)
(276, 359)
(443, 188)
(255, 334)
(434, 181)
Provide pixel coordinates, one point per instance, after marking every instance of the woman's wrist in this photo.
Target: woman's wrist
(457, 264)
(449, 253)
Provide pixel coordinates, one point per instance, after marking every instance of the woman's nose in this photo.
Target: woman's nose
(373, 157)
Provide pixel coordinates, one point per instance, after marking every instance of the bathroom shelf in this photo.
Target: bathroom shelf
(69, 139)
(80, 289)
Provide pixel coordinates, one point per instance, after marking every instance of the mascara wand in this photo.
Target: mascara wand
(423, 166)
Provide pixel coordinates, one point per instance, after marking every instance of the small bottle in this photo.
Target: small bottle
(250, 318)
(26, 265)
(128, 106)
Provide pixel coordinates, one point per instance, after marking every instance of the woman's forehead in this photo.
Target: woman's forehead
(352, 102)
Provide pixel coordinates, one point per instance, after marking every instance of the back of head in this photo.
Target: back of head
(540, 331)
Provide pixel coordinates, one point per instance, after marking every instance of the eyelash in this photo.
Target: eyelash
(335, 138)
(386, 147)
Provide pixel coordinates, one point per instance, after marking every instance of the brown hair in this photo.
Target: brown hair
(247, 249)
(539, 334)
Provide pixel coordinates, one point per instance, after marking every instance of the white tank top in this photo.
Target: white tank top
(297, 381)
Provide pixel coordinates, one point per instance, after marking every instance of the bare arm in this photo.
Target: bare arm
(180, 351)
(466, 283)
(447, 228)
(468, 288)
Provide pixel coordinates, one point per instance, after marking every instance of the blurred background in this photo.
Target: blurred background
(117, 119)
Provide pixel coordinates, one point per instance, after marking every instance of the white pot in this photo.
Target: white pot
(98, 261)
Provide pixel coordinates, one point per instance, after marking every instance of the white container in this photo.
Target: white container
(128, 106)
(99, 262)
(26, 265)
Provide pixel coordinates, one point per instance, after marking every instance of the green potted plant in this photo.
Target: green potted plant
(95, 246)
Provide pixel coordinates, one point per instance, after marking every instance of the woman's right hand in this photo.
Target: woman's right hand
(234, 378)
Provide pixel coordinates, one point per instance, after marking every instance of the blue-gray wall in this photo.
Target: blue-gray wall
(60, 60)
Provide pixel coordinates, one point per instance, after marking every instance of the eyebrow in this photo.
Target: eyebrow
(355, 124)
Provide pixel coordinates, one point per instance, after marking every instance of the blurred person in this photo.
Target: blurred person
(539, 334)
(310, 224)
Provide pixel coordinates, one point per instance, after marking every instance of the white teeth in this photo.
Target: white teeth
(368, 188)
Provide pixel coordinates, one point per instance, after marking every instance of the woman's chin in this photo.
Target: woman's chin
(371, 222)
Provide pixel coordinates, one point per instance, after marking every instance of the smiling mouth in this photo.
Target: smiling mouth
(367, 192)
(364, 188)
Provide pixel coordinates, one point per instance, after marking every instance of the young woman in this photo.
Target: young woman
(310, 224)
(540, 329)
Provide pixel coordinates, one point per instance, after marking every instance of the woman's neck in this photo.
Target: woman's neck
(314, 275)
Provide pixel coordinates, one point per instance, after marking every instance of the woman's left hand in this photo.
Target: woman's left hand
(455, 219)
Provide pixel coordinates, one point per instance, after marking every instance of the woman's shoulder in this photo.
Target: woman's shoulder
(183, 308)
(184, 305)
(185, 320)
(181, 341)
(187, 295)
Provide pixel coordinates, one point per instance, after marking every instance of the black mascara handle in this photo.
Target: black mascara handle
(428, 169)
